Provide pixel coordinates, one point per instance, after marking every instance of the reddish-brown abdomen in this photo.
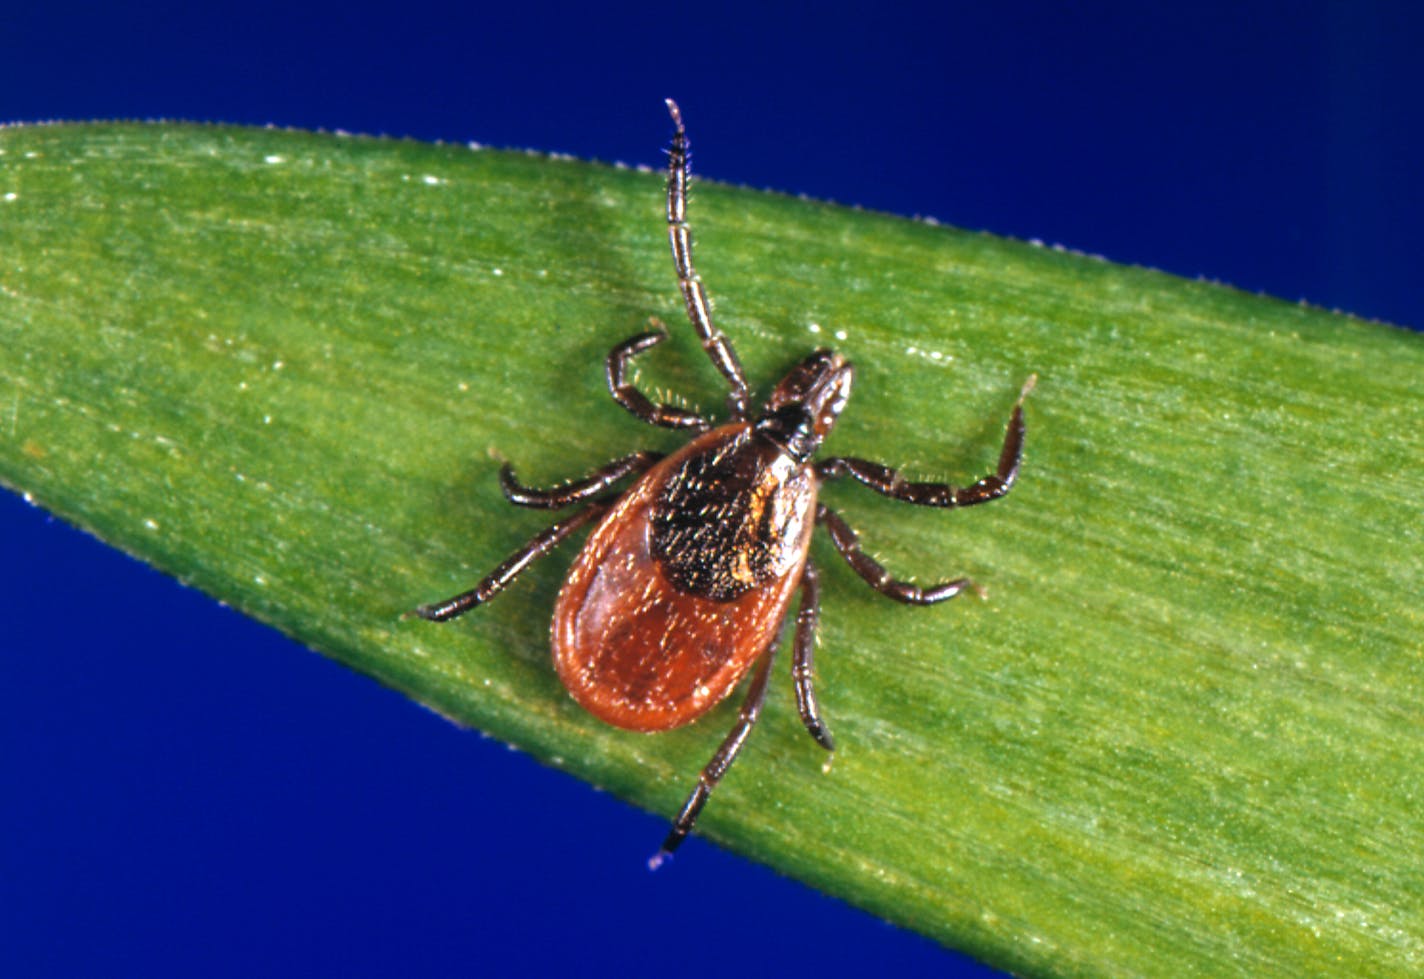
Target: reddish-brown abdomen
(640, 653)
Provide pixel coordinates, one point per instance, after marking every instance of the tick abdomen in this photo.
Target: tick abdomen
(646, 643)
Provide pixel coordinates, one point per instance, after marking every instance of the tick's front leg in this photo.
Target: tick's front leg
(694, 296)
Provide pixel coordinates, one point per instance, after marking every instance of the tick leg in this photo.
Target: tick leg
(874, 573)
(575, 490)
(727, 753)
(802, 665)
(699, 311)
(626, 394)
(513, 566)
(890, 483)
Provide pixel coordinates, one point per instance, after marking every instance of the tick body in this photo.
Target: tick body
(682, 588)
(685, 583)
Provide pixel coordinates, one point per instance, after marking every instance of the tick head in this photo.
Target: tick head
(804, 407)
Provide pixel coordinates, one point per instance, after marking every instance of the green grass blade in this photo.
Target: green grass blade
(1182, 735)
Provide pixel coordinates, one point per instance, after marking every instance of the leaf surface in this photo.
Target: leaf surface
(1180, 736)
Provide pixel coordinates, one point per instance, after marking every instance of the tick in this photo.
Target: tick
(682, 587)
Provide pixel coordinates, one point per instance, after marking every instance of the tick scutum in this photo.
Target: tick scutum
(729, 519)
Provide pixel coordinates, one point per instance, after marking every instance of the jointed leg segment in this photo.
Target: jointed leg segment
(802, 662)
(626, 394)
(513, 566)
(699, 311)
(875, 575)
(888, 482)
(576, 490)
(726, 753)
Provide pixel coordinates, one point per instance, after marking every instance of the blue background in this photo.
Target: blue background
(186, 792)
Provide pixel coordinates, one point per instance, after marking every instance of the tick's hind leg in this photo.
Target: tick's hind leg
(694, 296)
(888, 482)
(802, 662)
(722, 760)
(575, 490)
(512, 566)
(848, 544)
(627, 394)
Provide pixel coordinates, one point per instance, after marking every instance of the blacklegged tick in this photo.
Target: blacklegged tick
(685, 581)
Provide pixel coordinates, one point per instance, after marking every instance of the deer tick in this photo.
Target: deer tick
(684, 583)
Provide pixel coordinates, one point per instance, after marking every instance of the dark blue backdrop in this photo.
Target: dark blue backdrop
(186, 792)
